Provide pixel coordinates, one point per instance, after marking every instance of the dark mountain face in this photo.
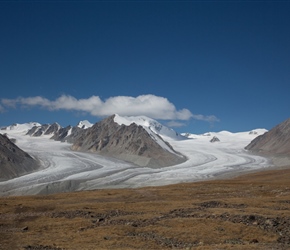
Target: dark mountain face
(68, 134)
(37, 130)
(275, 142)
(14, 162)
(62, 133)
(130, 143)
(45, 129)
(53, 128)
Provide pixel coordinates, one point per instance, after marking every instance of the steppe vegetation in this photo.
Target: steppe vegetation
(247, 212)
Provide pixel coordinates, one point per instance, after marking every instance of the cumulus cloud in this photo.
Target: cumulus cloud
(150, 105)
(153, 106)
(175, 124)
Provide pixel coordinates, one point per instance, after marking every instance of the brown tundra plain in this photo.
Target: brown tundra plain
(245, 212)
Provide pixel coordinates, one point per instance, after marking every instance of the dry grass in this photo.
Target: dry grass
(248, 212)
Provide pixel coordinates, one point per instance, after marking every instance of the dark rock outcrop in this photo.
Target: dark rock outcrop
(53, 128)
(14, 162)
(130, 143)
(37, 130)
(214, 139)
(45, 129)
(68, 134)
(274, 142)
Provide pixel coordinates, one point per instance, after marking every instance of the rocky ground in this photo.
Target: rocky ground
(247, 212)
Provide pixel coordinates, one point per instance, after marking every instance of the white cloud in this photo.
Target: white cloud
(206, 118)
(10, 103)
(175, 124)
(150, 105)
(1, 109)
(153, 106)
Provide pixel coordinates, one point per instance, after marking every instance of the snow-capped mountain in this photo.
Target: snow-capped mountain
(126, 152)
(128, 141)
(45, 129)
(150, 125)
(37, 129)
(153, 128)
(156, 130)
(84, 124)
(55, 131)
(226, 135)
(21, 128)
(143, 140)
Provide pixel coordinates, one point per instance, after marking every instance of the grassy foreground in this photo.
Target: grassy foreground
(247, 212)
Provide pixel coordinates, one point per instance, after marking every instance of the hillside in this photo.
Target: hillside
(14, 162)
(249, 212)
(275, 142)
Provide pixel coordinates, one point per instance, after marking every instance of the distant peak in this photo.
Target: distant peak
(84, 124)
(149, 124)
(56, 124)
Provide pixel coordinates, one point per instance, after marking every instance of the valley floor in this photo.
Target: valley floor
(247, 212)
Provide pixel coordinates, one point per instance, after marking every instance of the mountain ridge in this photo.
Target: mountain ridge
(143, 161)
(139, 139)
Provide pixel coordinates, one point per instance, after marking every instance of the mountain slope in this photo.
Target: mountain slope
(275, 142)
(14, 162)
(131, 143)
(68, 134)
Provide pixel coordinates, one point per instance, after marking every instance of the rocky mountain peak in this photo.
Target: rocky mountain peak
(130, 142)
(215, 139)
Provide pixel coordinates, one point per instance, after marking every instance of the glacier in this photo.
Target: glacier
(64, 170)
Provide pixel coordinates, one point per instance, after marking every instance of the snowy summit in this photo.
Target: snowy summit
(149, 124)
(84, 124)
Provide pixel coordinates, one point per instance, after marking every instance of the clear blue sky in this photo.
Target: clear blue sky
(200, 65)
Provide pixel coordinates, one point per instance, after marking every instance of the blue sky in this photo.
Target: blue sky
(196, 65)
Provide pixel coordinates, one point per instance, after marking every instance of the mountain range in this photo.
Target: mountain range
(140, 141)
(133, 139)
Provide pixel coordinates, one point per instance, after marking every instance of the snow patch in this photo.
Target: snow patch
(84, 124)
(22, 127)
